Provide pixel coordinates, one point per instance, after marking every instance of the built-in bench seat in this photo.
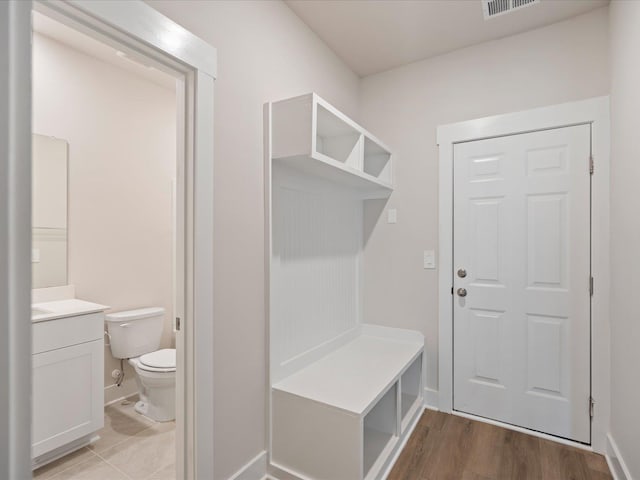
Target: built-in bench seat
(345, 415)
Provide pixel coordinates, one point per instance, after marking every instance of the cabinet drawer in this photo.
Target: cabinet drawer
(64, 332)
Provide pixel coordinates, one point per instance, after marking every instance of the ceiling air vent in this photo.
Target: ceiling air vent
(493, 8)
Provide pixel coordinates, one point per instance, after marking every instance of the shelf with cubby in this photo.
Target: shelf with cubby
(312, 136)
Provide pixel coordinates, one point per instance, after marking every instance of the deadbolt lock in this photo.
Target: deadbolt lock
(462, 273)
(462, 292)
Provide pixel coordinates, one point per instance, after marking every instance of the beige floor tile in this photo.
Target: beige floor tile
(146, 453)
(166, 473)
(93, 469)
(121, 422)
(125, 406)
(63, 463)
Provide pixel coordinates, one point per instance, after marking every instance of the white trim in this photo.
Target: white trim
(616, 463)
(133, 26)
(114, 393)
(150, 27)
(255, 469)
(431, 398)
(200, 362)
(15, 239)
(596, 112)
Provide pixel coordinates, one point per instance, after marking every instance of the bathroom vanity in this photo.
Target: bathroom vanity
(68, 364)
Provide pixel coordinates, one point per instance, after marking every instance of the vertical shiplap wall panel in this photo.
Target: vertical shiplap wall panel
(317, 240)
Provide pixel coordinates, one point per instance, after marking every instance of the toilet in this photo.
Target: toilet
(135, 335)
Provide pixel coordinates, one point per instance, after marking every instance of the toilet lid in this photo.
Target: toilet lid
(165, 358)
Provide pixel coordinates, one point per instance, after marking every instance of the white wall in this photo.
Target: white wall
(121, 132)
(562, 62)
(625, 231)
(265, 53)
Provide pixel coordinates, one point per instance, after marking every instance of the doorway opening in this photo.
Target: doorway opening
(109, 260)
(133, 28)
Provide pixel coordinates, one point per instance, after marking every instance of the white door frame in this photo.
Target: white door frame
(138, 28)
(596, 112)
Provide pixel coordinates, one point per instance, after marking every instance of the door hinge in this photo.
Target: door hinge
(591, 164)
(177, 324)
(591, 286)
(591, 406)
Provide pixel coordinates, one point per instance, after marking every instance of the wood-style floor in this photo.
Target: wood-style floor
(448, 447)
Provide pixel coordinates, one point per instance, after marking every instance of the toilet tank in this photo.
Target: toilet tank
(135, 332)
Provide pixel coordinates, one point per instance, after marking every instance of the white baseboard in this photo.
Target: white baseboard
(615, 461)
(431, 399)
(113, 393)
(255, 469)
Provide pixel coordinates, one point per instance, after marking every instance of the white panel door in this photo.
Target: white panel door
(522, 237)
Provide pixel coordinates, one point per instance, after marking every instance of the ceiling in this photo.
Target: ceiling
(96, 49)
(377, 35)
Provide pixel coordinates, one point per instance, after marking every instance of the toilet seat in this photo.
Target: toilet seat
(159, 361)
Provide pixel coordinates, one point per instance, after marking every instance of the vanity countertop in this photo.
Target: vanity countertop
(44, 311)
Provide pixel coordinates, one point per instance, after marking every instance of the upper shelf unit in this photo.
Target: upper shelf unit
(309, 134)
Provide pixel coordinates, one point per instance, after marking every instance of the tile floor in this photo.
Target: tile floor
(131, 447)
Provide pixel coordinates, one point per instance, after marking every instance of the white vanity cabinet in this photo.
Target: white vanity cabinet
(68, 390)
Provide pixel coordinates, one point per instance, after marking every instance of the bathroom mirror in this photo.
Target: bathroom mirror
(49, 211)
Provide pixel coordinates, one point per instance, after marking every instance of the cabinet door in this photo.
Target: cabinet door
(68, 395)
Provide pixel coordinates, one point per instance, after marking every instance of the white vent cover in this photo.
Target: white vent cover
(493, 8)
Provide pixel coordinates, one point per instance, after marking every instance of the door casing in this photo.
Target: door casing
(592, 111)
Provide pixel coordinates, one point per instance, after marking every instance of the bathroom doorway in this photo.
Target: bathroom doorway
(104, 168)
(192, 205)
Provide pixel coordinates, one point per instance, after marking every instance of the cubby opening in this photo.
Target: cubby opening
(410, 385)
(377, 161)
(338, 140)
(380, 428)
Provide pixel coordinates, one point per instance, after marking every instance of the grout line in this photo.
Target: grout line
(156, 471)
(153, 423)
(74, 464)
(103, 459)
(120, 442)
(115, 468)
(133, 445)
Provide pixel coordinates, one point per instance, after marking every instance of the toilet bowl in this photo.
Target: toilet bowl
(135, 335)
(156, 379)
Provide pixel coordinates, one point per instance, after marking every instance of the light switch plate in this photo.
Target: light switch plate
(429, 259)
(392, 215)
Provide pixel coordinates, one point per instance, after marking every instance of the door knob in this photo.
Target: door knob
(462, 292)
(462, 273)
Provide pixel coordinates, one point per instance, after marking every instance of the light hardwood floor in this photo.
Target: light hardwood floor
(131, 447)
(448, 447)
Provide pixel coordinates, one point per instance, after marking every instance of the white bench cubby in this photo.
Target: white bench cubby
(344, 395)
(343, 417)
